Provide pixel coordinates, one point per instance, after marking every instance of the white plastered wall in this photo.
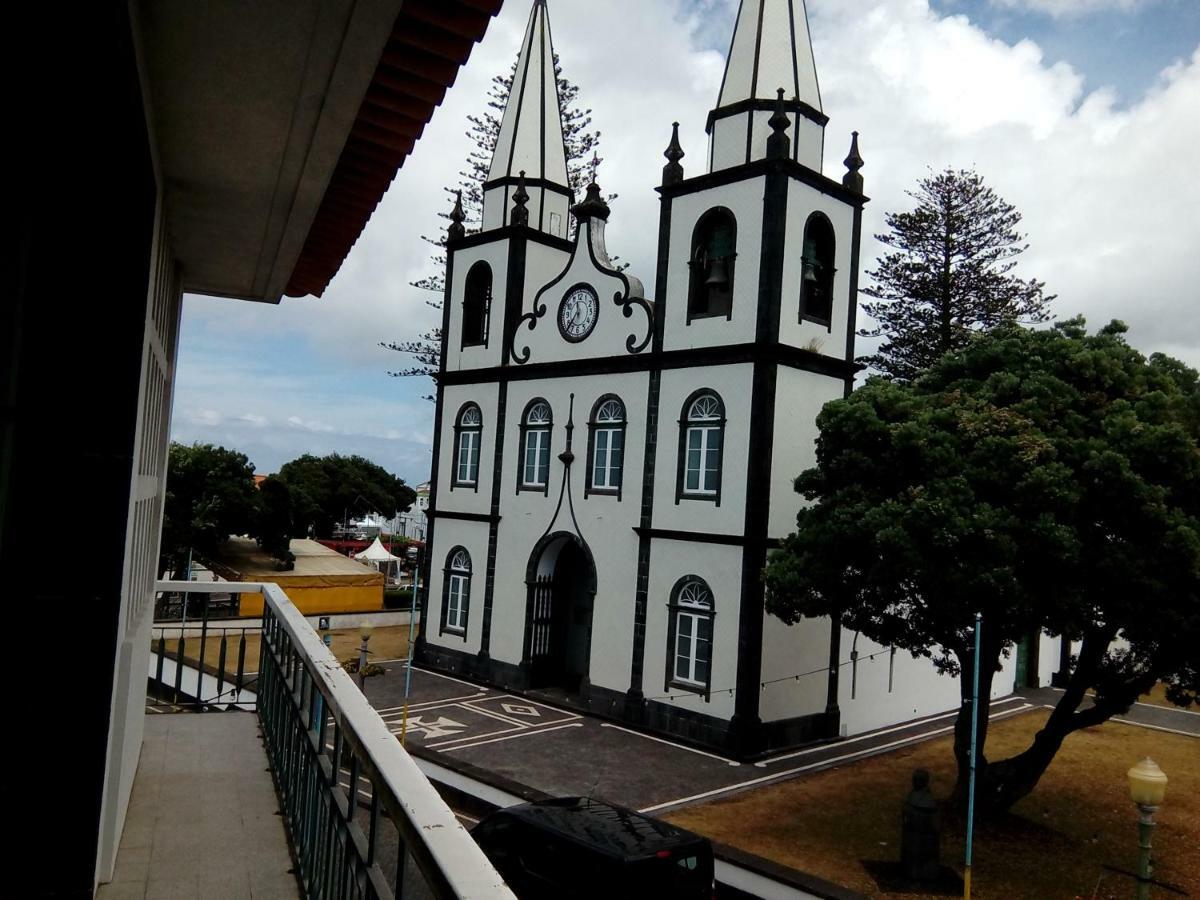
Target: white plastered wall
(727, 142)
(473, 536)
(721, 567)
(466, 499)
(799, 399)
(745, 200)
(799, 654)
(474, 357)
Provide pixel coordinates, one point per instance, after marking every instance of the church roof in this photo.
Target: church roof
(531, 135)
(771, 49)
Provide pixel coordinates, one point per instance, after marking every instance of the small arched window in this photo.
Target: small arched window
(468, 432)
(477, 305)
(536, 424)
(456, 591)
(817, 271)
(606, 446)
(701, 438)
(714, 252)
(690, 636)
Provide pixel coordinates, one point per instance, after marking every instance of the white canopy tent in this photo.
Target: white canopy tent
(378, 556)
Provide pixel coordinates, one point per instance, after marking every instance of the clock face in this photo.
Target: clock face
(577, 313)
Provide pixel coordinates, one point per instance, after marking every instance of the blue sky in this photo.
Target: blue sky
(1085, 117)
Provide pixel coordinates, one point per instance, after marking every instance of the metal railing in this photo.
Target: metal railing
(363, 819)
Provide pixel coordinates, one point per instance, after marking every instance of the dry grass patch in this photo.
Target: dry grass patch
(390, 642)
(1053, 846)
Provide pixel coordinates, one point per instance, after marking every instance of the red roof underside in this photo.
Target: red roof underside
(430, 41)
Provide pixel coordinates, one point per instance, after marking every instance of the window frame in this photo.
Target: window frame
(464, 575)
(485, 313)
(685, 428)
(459, 430)
(676, 609)
(595, 426)
(818, 219)
(522, 445)
(694, 276)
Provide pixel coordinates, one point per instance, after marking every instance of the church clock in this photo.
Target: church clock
(577, 312)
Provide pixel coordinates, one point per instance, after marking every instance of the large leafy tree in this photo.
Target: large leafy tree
(1049, 480)
(947, 274)
(210, 495)
(326, 489)
(582, 145)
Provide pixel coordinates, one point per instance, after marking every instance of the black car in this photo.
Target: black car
(575, 847)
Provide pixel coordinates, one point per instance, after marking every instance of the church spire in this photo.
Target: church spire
(531, 138)
(771, 50)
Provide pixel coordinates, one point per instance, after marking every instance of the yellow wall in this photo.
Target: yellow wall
(322, 598)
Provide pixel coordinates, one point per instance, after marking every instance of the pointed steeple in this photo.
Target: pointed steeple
(771, 48)
(531, 138)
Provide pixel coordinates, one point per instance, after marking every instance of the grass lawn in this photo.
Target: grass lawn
(390, 642)
(1053, 845)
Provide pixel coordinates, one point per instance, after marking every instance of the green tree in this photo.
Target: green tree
(326, 490)
(274, 526)
(210, 495)
(947, 274)
(1049, 480)
(582, 144)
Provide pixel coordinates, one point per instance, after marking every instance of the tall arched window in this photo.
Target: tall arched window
(701, 438)
(690, 636)
(477, 305)
(456, 591)
(817, 271)
(606, 446)
(468, 432)
(534, 474)
(714, 250)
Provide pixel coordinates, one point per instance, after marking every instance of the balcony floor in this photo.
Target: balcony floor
(202, 820)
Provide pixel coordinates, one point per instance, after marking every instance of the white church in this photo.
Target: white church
(613, 464)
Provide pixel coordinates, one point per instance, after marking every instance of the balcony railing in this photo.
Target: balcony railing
(363, 820)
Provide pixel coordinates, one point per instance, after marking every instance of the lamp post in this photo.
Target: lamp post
(414, 554)
(1147, 786)
(364, 632)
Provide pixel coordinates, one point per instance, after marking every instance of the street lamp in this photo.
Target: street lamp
(364, 632)
(1147, 786)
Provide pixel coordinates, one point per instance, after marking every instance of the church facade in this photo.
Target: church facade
(613, 465)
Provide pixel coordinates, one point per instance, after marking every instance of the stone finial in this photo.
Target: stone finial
(457, 216)
(673, 171)
(592, 206)
(520, 214)
(853, 179)
(779, 145)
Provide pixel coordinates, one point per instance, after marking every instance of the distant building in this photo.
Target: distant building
(412, 524)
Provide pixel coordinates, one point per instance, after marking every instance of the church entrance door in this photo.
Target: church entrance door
(561, 595)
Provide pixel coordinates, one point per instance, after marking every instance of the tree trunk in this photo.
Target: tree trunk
(962, 724)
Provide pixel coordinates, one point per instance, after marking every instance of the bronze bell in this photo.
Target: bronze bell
(809, 270)
(718, 274)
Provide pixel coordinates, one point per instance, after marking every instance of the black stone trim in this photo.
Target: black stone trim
(680, 473)
(670, 682)
(698, 537)
(852, 310)
(489, 586)
(764, 104)
(514, 290)
(758, 169)
(835, 667)
(443, 628)
(456, 516)
(729, 354)
(458, 433)
(641, 595)
(545, 184)
(508, 232)
(590, 460)
(524, 430)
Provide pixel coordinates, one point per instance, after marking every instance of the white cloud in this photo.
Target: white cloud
(1108, 193)
(1069, 8)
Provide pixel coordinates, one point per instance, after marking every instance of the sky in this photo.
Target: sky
(1085, 114)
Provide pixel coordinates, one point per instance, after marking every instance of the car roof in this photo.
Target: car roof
(613, 830)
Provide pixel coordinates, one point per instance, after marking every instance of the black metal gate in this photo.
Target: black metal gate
(541, 643)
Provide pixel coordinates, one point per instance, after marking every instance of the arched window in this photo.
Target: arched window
(701, 438)
(714, 250)
(606, 446)
(817, 271)
(690, 636)
(534, 474)
(477, 305)
(468, 431)
(456, 591)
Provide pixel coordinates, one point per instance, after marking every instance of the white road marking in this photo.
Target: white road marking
(424, 704)
(825, 763)
(473, 737)
(873, 734)
(526, 733)
(1170, 709)
(448, 678)
(493, 715)
(670, 744)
